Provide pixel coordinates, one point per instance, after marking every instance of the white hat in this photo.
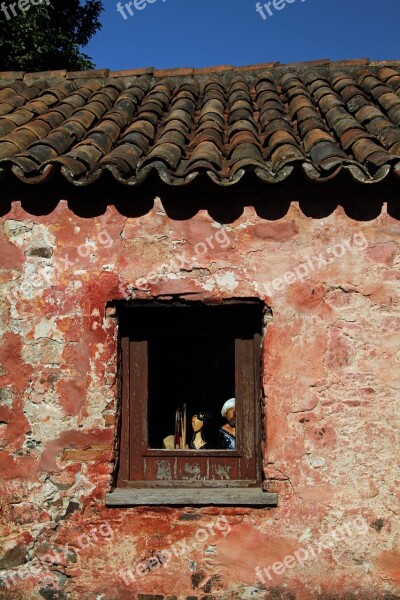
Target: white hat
(228, 404)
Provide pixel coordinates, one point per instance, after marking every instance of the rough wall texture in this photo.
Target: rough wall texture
(331, 383)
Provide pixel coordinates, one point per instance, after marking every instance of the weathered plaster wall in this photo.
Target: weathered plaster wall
(331, 381)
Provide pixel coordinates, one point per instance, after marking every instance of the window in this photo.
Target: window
(182, 364)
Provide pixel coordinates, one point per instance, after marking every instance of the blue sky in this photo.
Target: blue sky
(200, 33)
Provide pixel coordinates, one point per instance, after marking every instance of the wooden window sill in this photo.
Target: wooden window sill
(191, 497)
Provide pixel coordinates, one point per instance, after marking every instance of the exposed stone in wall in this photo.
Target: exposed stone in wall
(331, 383)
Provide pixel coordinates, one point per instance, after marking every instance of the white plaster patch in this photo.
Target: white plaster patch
(316, 462)
(244, 225)
(44, 420)
(226, 280)
(14, 229)
(252, 593)
(208, 284)
(99, 350)
(6, 396)
(44, 328)
(96, 401)
(73, 285)
(44, 351)
(42, 236)
(33, 280)
(80, 272)
(305, 536)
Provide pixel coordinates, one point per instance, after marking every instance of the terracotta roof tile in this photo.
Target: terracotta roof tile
(217, 69)
(132, 72)
(173, 72)
(13, 75)
(100, 73)
(269, 119)
(395, 149)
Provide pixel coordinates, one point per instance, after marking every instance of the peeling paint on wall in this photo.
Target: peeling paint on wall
(331, 383)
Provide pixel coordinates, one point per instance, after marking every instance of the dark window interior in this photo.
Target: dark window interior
(199, 355)
(198, 370)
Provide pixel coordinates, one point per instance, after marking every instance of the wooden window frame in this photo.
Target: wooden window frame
(134, 486)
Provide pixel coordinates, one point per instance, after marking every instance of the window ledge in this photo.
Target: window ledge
(191, 496)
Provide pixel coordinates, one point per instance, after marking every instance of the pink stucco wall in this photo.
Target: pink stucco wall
(331, 382)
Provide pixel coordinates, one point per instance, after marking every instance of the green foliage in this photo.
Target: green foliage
(48, 36)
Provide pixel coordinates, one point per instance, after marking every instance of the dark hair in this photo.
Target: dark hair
(201, 416)
(209, 429)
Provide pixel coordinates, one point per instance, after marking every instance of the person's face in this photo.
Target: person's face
(231, 417)
(196, 424)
